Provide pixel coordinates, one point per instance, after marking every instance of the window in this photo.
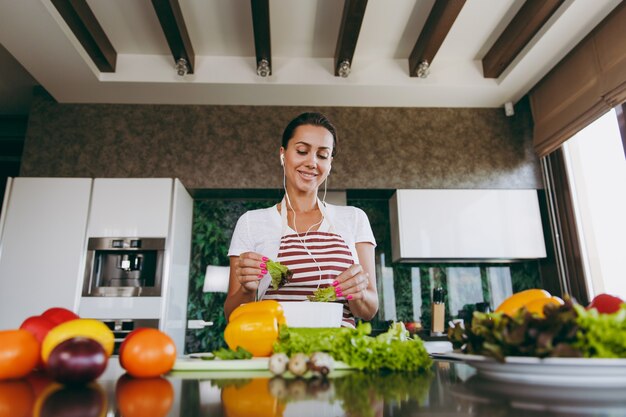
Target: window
(597, 171)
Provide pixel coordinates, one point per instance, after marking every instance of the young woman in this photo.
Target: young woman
(322, 244)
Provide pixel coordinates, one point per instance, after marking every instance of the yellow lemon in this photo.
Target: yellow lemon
(93, 329)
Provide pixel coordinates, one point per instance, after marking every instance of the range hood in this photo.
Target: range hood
(465, 226)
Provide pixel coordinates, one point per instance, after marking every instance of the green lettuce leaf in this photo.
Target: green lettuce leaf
(601, 335)
(280, 274)
(229, 354)
(324, 294)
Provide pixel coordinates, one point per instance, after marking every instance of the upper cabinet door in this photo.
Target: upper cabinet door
(135, 207)
(466, 225)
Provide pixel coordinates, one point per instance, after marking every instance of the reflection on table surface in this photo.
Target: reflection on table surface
(451, 389)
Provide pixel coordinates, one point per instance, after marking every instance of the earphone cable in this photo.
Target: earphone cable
(295, 228)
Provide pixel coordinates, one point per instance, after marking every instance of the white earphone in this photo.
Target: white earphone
(282, 159)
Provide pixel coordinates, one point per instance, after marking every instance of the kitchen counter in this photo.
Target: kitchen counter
(451, 389)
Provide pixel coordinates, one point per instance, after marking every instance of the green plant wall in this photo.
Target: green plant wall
(213, 225)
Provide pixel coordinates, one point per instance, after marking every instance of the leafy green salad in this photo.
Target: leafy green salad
(568, 330)
(393, 350)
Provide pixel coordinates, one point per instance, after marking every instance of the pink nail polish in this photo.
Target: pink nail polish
(338, 291)
(349, 297)
(335, 283)
(262, 265)
(264, 271)
(260, 276)
(265, 259)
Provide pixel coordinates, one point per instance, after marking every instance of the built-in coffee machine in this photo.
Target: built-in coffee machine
(124, 267)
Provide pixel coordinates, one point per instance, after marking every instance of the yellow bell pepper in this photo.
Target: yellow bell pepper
(252, 399)
(256, 332)
(520, 299)
(265, 306)
(536, 306)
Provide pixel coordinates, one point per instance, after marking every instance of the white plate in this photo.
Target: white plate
(567, 372)
(559, 399)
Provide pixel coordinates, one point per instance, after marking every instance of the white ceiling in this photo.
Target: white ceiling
(304, 35)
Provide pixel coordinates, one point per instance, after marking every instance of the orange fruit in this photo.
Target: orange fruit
(16, 399)
(147, 353)
(145, 397)
(19, 353)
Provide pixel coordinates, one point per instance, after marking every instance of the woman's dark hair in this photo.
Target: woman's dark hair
(310, 119)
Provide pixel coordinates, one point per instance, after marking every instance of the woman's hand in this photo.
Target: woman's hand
(352, 283)
(246, 270)
(250, 268)
(358, 283)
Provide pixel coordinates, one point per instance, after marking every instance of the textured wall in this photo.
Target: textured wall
(237, 146)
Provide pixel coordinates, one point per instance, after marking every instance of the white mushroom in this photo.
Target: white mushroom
(298, 364)
(278, 387)
(278, 363)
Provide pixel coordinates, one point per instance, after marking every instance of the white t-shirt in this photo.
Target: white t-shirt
(260, 230)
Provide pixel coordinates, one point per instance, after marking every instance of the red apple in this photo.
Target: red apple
(605, 303)
(59, 315)
(39, 326)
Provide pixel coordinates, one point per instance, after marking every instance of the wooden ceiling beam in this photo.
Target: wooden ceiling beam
(438, 24)
(83, 23)
(523, 27)
(262, 36)
(351, 20)
(175, 31)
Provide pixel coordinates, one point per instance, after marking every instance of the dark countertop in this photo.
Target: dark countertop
(451, 389)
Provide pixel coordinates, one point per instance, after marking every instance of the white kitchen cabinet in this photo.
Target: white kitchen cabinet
(145, 208)
(130, 207)
(466, 225)
(42, 239)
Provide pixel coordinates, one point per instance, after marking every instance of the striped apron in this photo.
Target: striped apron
(315, 258)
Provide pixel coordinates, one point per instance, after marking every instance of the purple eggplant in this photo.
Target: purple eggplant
(77, 361)
(75, 401)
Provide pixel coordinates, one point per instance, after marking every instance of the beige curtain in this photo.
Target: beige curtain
(589, 81)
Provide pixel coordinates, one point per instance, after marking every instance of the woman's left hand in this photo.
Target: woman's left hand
(352, 283)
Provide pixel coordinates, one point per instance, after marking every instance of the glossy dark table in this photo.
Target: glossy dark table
(451, 389)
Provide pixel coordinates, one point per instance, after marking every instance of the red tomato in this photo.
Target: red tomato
(39, 326)
(605, 303)
(19, 353)
(146, 397)
(148, 353)
(59, 315)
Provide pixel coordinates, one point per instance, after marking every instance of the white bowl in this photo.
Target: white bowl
(312, 314)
